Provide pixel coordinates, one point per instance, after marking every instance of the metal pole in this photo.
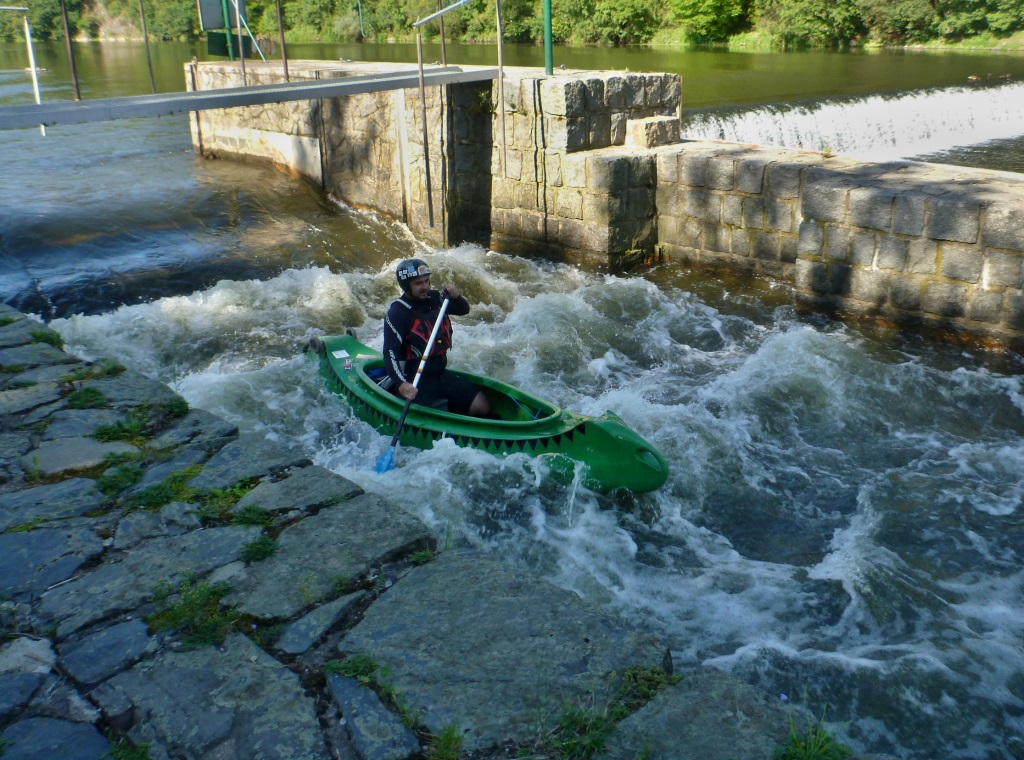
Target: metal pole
(284, 50)
(35, 74)
(549, 57)
(227, 29)
(501, 89)
(444, 52)
(71, 54)
(423, 116)
(359, 5)
(241, 46)
(145, 36)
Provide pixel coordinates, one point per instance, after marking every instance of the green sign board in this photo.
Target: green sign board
(211, 14)
(217, 44)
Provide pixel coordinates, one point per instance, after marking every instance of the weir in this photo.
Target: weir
(592, 167)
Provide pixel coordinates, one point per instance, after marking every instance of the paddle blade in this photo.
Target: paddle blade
(386, 461)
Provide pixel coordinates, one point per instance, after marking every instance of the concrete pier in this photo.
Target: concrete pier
(592, 166)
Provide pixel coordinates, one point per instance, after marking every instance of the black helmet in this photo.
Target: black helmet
(410, 269)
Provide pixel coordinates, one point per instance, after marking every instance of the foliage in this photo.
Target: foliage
(583, 726)
(815, 744)
(218, 503)
(447, 745)
(259, 549)
(172, 488)
(197, 614)
(102, 368)
(86, 398)
(253, 515)
(123, 749)
(47, 336)
(130, 429)
(361, 667)
(117, 479)
(421, 557)
(709, 20)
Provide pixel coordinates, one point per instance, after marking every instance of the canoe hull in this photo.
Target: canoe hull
(614, 455)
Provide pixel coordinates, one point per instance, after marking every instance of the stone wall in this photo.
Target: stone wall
(592, 167)
(934, 247)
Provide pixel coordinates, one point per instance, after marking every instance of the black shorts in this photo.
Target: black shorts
(446, 386)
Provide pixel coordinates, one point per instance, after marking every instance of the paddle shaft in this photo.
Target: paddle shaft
(419, 369)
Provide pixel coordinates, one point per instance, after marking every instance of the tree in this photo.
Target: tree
(173, 19)
(626, 22)
(708, 20)
(816, 23)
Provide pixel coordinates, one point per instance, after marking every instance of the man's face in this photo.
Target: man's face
(419, 287)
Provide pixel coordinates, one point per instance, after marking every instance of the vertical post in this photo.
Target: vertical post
(35, 74)
(71, 54)
(501, 89)
(145, 36)
(549, 58)
(241, 46)
(227, 29)
(359, 5)
(440, 23)
(280, 31)
(423, 117)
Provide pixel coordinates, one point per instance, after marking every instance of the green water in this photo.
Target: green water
(710, 77)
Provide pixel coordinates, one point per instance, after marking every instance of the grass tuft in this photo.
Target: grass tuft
(447, 745)
(253, 515)
(259, 549)
(117, 479)
(123, 749)
(172, 488)
(86, 398)
(816, 743)
(102, 368)
(196, 614)
(45, 335)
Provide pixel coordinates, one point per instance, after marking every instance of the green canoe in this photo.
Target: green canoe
(615, 456)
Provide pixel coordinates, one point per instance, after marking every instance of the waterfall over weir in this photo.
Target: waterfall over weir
(874, 128)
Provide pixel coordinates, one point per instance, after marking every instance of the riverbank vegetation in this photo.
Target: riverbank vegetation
(749, 23)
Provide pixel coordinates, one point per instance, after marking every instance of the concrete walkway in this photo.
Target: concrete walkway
(170, 584)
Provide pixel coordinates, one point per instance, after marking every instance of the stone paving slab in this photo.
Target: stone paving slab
(251, 456)
(306, 489)
(332, 548)
(80, 423)
(121, 586)
(34, 355)
(17, 400)
(31, 562)
(500, 660)
(67, 498)
(38, 738)
(234, 701)
(72, 455)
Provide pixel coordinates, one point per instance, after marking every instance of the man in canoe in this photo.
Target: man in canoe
(407, 328)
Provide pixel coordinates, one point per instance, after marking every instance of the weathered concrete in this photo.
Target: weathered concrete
(462, 640)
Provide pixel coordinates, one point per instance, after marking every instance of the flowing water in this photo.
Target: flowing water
(842, 526)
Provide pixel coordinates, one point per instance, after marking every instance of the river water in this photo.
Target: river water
(843, 522)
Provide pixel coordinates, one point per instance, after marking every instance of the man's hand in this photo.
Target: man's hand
(450, 292)
(407, 391)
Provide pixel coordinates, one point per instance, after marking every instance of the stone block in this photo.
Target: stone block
(563, 97)
(597, 238)
(574, 170)
(753, 213)
(1015, 311)
(553, 169)
(640, 203)
(787, 248)
(862, 248)
(615, 92)
(837, 243)
(766, 246)
(810, 240)
(668, 167)
(569, 203)
(1003, 269)
(892, 253)
(599, 130)
(961, 262)
(824, 202)
(954, 219)
(594, 94)
(740, 241)
(732, 210)
(670, 201)
(784, 180)
(702, 204)
(607, 174)
(1004, 226)
(922, 256)
(869, 286)
(780, 215)
(503, 193)
(534, 225)
(905, 293)
(526, 197)
(642, 171)
(750, 174)
(721, 172)
(618, 128)
(717, 238)
(986, 306)
(908, 214)
(694, 169)
(944, 299)
(672, 90)
(635, 91)
(871, 208)
(652, 132)
(811, 276)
